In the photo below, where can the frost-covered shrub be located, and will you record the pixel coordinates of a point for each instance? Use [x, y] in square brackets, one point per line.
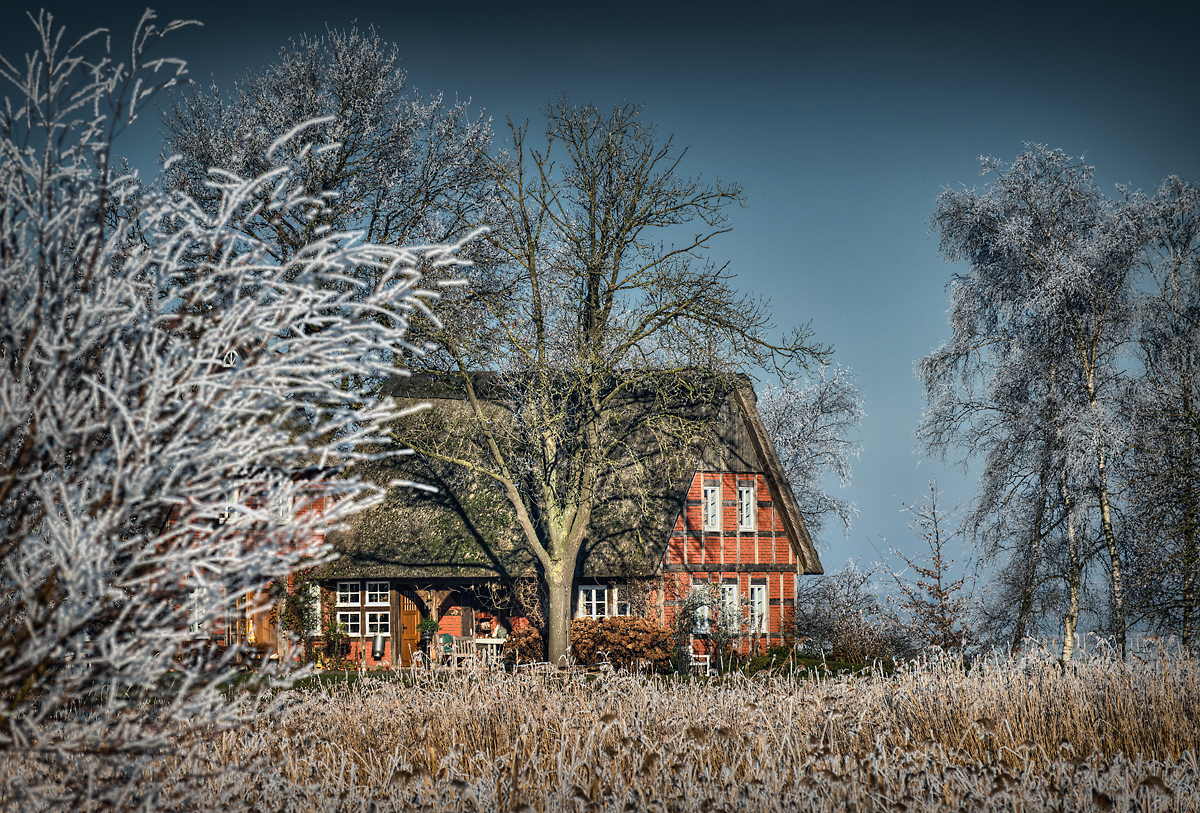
[624, 641]
[164, 377]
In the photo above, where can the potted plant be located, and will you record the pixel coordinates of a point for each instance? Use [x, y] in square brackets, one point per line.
[428, 628]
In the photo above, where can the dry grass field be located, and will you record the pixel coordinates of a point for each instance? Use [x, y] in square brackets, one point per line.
[1012, 735]
[1005, 735]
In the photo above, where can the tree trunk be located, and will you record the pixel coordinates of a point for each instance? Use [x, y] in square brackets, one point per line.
[1025, 611]
[1074, 579]
[558, 622]
[1114, 558]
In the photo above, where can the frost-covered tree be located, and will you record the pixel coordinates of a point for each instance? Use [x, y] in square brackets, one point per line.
[401, 168]
[810, 425]
[1162, 476]
[1031, 377]
[164, 377]
[932, 606]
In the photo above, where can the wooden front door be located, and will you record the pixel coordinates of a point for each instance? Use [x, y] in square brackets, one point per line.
[410, 638]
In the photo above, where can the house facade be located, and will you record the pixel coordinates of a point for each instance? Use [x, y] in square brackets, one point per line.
[718, 520]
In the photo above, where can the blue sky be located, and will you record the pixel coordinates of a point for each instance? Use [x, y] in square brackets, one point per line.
[842, 124]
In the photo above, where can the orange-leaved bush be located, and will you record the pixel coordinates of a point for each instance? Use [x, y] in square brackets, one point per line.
[623, 641]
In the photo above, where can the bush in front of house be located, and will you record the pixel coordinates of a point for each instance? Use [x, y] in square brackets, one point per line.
[624, 641]
[524, 645]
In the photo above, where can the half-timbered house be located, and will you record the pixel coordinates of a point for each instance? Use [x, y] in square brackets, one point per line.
[715, 512]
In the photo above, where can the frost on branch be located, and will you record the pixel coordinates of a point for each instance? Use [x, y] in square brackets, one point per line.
[809, 425]
[140, 461]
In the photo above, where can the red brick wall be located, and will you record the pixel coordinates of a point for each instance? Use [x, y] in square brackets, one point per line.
[766, 544]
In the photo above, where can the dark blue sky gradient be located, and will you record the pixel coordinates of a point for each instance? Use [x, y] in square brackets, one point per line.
[841, 122]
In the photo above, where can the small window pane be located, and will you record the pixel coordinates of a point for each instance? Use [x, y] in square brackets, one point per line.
[351, 624]
[348, 593]
[377, 592]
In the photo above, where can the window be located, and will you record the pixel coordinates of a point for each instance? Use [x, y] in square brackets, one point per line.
[350, 623]
[712, 508]
[747, 503]
[593, 601]
[730, 617]
[348, 593]
[758, 608]
[228, 513]
[377, 592]
[197, 611]
[621, 599]
[379, 624]
[701, 601]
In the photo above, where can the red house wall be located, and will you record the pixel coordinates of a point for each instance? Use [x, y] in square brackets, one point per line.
[764, 553]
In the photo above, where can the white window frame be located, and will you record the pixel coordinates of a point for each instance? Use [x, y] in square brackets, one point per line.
[385, 592]
[621, 606]
[592, 597]
[759, 608]
[314, 598]
[197, 611]
[711, 506]
[349, 594]
[747, 505]
[351, 624]
[702, 615]
[228, 513]
[379, 623]
[730, 617]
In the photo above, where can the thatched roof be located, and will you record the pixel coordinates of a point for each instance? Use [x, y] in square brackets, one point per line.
[467, 529]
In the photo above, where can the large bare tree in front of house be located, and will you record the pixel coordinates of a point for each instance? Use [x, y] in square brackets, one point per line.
[603, 299]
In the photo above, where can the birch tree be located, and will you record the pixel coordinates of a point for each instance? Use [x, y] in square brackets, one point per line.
[154, 411]
[589, 308]
[1162, 477]
[1030, 376]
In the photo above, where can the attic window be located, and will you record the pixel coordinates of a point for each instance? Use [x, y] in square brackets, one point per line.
[746, 505]
[712, 508]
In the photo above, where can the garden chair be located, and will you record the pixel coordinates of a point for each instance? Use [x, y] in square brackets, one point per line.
[447, 650]
[695, 661]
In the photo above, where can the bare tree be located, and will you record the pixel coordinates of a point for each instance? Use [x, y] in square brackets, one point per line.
[590, 312]
[154, 413]
[840, 615]
[810, 427]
